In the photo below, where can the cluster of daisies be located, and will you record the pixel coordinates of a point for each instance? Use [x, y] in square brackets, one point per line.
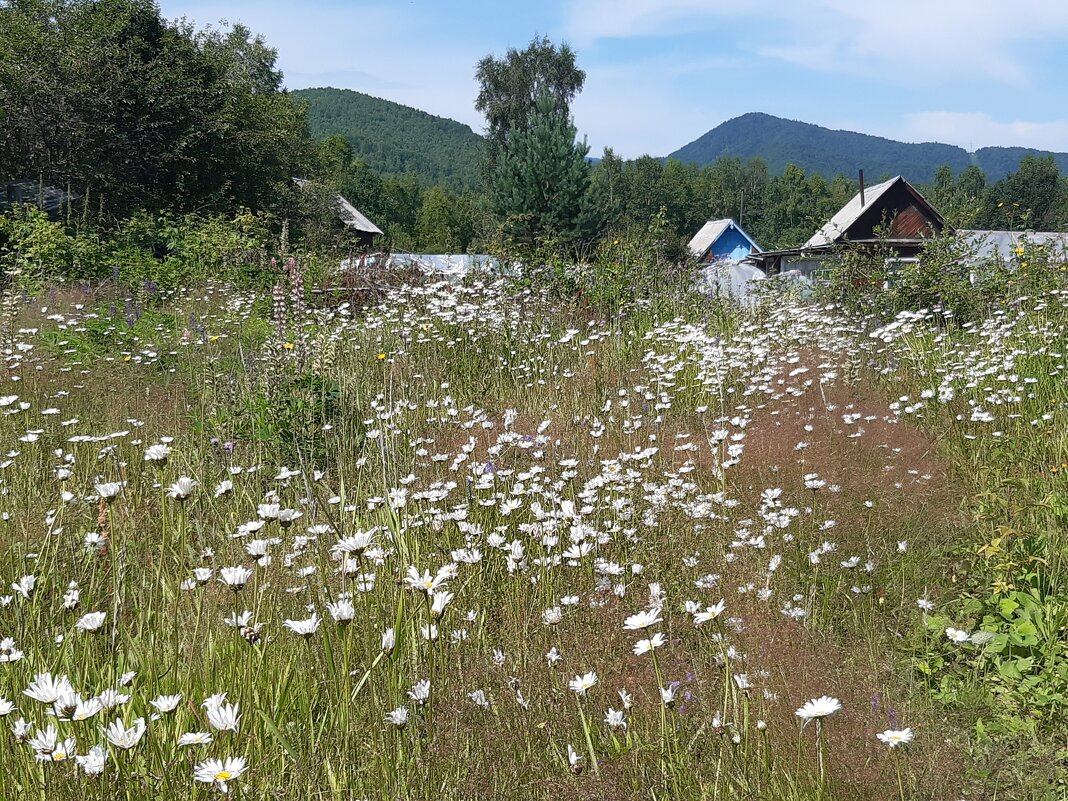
[568, 510]
[50, 735]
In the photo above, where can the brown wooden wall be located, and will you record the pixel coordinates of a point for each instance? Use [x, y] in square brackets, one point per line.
[909, 220]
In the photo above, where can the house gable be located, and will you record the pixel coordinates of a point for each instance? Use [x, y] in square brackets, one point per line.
[892, 212]
[908, 214]
[722, 239]
[895, 202]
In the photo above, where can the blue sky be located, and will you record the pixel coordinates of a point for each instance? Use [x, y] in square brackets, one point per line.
[659, 74]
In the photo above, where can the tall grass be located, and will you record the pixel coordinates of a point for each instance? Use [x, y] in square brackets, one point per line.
[489, 485]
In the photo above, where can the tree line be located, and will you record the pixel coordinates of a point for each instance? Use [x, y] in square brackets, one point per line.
[538, 184]
[129, 112]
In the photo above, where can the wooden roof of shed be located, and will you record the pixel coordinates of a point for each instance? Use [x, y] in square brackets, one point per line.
[346, 212]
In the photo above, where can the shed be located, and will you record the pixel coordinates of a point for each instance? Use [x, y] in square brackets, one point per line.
[362, 228]
[50, 199]
[722, 240]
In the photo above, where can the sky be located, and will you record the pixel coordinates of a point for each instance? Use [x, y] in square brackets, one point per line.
[972, 73]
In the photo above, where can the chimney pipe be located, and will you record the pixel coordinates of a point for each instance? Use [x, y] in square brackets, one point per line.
[862, 188]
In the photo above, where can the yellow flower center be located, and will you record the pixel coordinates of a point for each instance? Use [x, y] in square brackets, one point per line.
[59, 756]
[223, 776]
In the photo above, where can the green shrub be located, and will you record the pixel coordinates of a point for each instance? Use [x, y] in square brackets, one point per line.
[163, 250]
[947, 276]
[632, 266]
[34, 250]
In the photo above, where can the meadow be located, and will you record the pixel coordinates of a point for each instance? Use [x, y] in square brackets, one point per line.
[466, 541]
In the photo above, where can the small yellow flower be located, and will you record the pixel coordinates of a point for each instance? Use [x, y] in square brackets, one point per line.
[381, 357]
[289, 346]
[127, 358]
[214, 338]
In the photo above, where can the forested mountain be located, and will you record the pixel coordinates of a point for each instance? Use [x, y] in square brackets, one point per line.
[820, 150]
[998, 162]
[396, 139]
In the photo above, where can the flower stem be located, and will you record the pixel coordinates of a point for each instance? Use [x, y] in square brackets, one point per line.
[589, 739]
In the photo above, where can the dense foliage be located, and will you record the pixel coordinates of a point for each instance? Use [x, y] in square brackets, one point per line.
[144, 253]
[510, 87]
[775, 210]
[127, 110]
[414, 215]
[393, 139]
[541, 181]
[816, 149]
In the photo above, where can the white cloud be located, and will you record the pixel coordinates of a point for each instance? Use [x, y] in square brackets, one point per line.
[930, 42]
[388, 51]
[912, 41]
[973, 130]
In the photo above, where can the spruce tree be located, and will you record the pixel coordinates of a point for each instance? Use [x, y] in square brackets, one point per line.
[542, 179]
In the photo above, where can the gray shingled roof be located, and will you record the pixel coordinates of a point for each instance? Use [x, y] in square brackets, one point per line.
[832, 231]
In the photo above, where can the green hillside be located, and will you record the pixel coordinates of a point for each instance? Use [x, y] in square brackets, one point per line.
[997, 162]
[395, 139]
[820, 150]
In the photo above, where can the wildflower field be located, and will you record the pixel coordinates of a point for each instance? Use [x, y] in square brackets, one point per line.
[466, 542]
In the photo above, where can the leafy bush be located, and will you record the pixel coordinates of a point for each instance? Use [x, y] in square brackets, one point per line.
[639, 264]
[636, 265]
[948, 276]
[33, 248]
[162, 250]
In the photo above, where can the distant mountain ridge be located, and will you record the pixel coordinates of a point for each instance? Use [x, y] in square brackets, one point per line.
[828, 152]
[396, 139]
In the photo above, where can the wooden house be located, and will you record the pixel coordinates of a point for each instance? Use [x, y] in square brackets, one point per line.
[722, 240]
[891, 215]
